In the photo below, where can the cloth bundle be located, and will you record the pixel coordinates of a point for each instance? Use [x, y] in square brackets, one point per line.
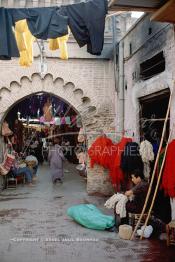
[145, 232]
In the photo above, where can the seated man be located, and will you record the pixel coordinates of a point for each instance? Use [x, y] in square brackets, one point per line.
[136, 196]
[138, 193]
[17, 171]
[32, 163]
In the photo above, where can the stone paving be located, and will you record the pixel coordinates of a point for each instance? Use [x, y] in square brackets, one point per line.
[34, 226]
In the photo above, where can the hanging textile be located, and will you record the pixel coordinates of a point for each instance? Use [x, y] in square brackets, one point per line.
[99, 152]
[7, 164]
[87, 23]
[168, 178]
[131, 159]
[116, 172]
[78, 121]
[24, 41]
[57, 121]
[73, 120]
[147, 155]
[8, 46]
[107, 154]
[18, 135]
[63, 120]
[67, 119]
[60, 43]
[43, 22]
[6, 130]
[81, 136]
[47, 109]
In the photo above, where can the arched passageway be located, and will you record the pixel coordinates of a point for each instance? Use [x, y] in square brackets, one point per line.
[93, 115]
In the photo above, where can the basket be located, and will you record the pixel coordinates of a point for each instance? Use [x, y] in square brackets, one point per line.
[125, 232]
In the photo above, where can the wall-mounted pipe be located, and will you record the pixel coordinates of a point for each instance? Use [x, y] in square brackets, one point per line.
[121, 88]
[114, 40]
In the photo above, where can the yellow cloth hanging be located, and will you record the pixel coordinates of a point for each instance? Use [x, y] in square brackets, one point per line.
[60, 43]
[24, 41]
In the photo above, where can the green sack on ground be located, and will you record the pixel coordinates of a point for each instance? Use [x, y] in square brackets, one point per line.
[91, 217]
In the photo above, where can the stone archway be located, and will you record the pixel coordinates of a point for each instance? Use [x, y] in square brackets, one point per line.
[28, 86]
[73, 94]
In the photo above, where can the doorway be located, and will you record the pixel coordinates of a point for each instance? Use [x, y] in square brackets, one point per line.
[153, 110]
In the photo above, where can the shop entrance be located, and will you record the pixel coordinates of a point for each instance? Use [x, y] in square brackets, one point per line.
[153, 110]
[37, 119]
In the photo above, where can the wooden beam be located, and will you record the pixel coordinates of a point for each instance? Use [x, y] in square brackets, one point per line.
[166, 13]
[132, 8]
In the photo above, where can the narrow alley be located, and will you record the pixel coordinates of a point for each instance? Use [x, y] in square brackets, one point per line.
[34, 226]
[87, 116]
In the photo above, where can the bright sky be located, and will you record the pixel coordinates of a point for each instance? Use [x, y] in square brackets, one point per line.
[137, 14]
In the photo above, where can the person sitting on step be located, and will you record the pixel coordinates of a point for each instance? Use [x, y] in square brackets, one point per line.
[136, 196]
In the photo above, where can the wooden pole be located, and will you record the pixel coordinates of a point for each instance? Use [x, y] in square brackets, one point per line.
[157, 185]
[111, 3]
[155, 166]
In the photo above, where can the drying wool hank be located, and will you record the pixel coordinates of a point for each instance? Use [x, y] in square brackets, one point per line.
[119, 202]
[168, 179]
[100, 153]
[107, 154]
[147, 155]
[116, 173]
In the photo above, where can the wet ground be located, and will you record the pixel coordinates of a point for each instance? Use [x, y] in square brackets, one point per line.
[34, 227]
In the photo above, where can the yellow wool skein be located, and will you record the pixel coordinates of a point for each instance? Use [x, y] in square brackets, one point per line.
[60, 43]
[24, 41]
